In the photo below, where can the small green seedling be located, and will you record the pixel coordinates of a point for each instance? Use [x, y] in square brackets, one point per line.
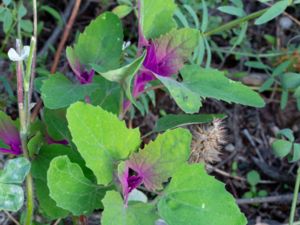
[253, 178]
[284, 145]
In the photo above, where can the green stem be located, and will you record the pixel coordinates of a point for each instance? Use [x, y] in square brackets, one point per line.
[295, 198]
[29, 64]
[121, 113]
[30, 195]
[19, 21]
[27, 80]
[235, 23]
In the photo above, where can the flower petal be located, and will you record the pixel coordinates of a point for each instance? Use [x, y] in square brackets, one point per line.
[13, 55]
[25, 52]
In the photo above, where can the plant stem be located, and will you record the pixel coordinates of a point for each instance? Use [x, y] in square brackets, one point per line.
[235, 23]
[24, 98]
[295, 198]
[33, 63]
[23, 133]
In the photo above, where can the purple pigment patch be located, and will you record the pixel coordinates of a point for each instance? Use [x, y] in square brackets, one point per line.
[9, 134]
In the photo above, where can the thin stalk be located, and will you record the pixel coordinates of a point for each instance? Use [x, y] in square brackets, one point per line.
[235, 23]
[295, 198]
[24, 97]
[29, 189]
[254, 55]
[33, 64]
[121, 106]
[28, 79]
[23, 133]
[19, 21]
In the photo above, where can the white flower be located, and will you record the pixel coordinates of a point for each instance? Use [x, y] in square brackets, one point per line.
[126, 45]
[16, 57]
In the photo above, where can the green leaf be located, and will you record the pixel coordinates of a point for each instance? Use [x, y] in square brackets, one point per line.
[59, 92]
[257, 65]
[26, 25]
[41, 162]
[290, 80]
[122, 10]
[123, 75]
[253, 178]
[296, 153]
[213, 84]
[160, 159]
[47, 205]
[172, 120]
[262, 193]
[104, 140]
[281, 148]
[40, 166]
[107, 95]
[57, 125]
[286, 133]
[267, 84]
[11, 197]
[15, 171]
[6, 2]
[7, 20]
[297, 92]
[204, 23]
[157, 17]
[194, 198]
[116, 213]
[284, 99]
[101, 42]
[11, 177]
[274, 11]
[232, 10]
[70, 189]
[186, 99]
[22, 11]
[54, 13]
[35, 143]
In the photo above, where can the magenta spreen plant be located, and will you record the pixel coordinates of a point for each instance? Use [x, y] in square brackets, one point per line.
[84, 158]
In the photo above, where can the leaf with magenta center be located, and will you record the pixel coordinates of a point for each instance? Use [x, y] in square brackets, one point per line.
[195, 198]
[156, 17]
[10, 141]
[101, 138]
[100, 43]
[157, 162]
[135, 213]
[166, 55]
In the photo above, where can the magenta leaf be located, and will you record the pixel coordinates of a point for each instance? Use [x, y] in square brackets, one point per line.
[166, 55]
[83, 75]
[9, 135]
[157, 162]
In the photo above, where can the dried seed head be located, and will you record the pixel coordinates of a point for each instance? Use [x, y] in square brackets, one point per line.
[207, 142]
